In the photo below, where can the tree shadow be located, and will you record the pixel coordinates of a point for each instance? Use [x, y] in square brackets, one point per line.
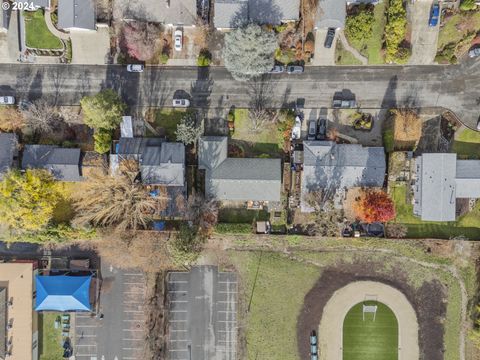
[262, 12]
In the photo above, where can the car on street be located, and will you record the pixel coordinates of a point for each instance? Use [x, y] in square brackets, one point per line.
[178, 40]
[312, 130]
[344, 104]
[322, 129]
[277, 69]
[138, 68]
[182, 103]
[474, 52]
[7, 100]
[294, 69]
[329, 38]
[297, 128]
[434, 14]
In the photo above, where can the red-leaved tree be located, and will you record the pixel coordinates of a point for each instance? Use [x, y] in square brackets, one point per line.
[139, 39]
[374, 205]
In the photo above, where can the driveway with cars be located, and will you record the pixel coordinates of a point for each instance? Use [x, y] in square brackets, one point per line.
[323, 55]
[424, 37]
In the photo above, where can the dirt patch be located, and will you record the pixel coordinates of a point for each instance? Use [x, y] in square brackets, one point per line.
[425, 300]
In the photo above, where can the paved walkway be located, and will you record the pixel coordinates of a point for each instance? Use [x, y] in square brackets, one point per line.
[53, 29]
[351, 49]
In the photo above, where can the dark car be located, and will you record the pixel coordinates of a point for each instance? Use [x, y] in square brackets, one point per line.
[277, 69]
[312, 130]
[329, 38]
[294, 69]
[344, 104]
[434, 14]
[322, 129]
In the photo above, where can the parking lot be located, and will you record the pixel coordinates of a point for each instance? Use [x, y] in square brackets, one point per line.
[202, 310]
[119, 334]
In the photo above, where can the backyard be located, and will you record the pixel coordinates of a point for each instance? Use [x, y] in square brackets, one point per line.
[467, 225]
[467, 144]
[371, 47]
[50, 339]
[37, 34]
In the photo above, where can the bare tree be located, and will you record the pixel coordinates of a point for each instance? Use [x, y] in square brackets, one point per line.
[42, 116]
[139, 39]
[119, 201]
[396, 231]
[202, 212]
[261, 99]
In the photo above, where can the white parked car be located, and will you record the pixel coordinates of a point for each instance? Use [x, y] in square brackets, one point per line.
[7, 100]
[297, 129]
[178, 40]
[183, 103]
[135, 68]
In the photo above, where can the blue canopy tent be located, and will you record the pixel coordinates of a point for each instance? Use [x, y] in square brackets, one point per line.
[63, 293]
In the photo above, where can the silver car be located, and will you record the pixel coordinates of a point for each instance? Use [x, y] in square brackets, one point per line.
[7, 100]
[474, 52]
[182, 103]
[135, 68]
[294, 69]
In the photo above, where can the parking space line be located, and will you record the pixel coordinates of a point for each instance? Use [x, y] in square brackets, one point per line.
[175, 350]
[227, 292]
[133, 311]
[178, 311]
[137, 348]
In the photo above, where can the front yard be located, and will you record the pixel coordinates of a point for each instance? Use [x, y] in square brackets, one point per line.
[371, 47]
[37, 34]
[467, 144]
[165, 121]
[467, 225]
[50, 339]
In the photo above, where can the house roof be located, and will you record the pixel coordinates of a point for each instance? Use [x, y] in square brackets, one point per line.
[235, 13]
[468, 179]
[76, 14]
[435, 192]
[136, 146]
[175, 12]
[164, 165]
[64, 164]
[332, 166]
[17, 278]
[63, 293]
[8, 149]
[331, 13]
[238, 179]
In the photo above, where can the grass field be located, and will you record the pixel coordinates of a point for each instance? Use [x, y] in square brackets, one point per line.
[165, 121]
[370, 340]
[50, 339]
[467, 225]
[372, 47]
[37, 34]
[467, 144]
[452, 32]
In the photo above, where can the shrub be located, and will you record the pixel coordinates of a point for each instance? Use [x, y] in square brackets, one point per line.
[163, 58]
[359, 26]
[374, 205]
[204, 58]
[280, 28]
[103, 140]
[395, 31]
[467, 5]
[285, 56]
[225, 228]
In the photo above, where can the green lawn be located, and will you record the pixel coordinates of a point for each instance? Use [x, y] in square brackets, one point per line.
[467, 225]
[241, 216]
[276, 302]
[345, 57]
[165, 121]
[369, 339]
[37, 34]
[50, 339]
[467, 144]
[266, 140]
[457, 26]
[372, 47]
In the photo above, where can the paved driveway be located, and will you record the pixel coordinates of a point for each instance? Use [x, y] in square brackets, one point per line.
[424, 37]
[324, 56]
[90, 47]
[9, 47]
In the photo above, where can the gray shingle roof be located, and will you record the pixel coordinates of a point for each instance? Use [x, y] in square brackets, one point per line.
[76, 14]
[8, 149]
[64, 164]
[468, 179]
[331, 13]
[235, 13]
[238, 179]
[136, 146]
[175, 12]
[334, 166]
[164, 165]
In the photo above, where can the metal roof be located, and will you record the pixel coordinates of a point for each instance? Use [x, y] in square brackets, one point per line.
[63, 293]
[76, 14]
[64, 164]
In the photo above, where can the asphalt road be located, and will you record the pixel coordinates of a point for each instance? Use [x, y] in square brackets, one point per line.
[453, 87]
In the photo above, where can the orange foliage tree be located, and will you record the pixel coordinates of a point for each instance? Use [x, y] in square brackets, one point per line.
[373, 206]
